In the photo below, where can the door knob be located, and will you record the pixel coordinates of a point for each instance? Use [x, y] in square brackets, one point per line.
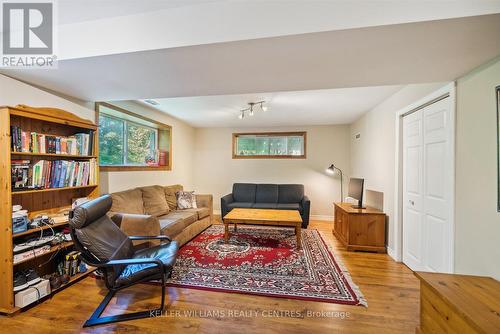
[412, 203]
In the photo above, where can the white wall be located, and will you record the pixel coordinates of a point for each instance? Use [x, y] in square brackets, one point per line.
[182, 156]
[215, 171]
[373, 154]
[13, 92]
[477, 222]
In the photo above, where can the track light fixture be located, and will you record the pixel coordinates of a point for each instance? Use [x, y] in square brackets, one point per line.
[251, 108]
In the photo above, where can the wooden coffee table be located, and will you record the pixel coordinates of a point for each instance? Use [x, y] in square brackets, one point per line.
[267, 217]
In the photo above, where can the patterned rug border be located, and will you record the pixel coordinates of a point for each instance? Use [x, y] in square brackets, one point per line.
[353, 288]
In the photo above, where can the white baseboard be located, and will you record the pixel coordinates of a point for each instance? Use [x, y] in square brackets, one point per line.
[321, 217]
[392, 253]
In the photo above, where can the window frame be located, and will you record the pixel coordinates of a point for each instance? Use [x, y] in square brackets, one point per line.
[159, 127]
[269, 134]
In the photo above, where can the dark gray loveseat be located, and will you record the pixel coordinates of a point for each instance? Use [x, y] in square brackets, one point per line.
[268, 196]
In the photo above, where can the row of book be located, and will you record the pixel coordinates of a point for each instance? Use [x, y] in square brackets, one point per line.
[52, 174]
[32, 142]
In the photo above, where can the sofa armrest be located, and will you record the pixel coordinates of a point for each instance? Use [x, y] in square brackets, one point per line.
[224, 202]
[306, 207]
[228, 199]
[136, 224]
[205, 201]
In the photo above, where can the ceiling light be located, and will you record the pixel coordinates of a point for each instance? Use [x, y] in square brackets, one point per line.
[251, 110]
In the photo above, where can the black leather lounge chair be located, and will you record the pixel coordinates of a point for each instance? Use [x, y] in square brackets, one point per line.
[103, 245]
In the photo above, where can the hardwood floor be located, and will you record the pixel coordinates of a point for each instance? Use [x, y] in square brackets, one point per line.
[390, 288]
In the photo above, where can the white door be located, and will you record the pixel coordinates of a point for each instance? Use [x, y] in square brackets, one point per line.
[428, 188]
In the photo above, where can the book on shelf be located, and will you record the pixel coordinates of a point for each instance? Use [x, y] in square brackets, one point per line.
[33, 142]
[46, 174]
[20, 173]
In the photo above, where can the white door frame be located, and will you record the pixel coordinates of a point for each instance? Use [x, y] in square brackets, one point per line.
[447, 91]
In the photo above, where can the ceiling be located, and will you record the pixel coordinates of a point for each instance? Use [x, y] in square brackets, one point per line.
[104, 27]
[221, 53]
[77, 11]
[421, 52]
[314, 107]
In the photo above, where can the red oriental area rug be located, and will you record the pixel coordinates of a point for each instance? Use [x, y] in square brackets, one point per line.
[264, 261]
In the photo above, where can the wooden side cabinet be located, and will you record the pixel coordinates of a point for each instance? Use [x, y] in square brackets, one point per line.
[359, 229]
[451, 303]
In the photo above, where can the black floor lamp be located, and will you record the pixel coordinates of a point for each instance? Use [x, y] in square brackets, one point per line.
[331, 170]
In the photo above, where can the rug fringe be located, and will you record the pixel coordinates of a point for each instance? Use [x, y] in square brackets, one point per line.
[346, 273]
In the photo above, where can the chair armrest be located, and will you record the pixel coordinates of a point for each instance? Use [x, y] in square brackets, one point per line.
[146, 237]
[111, 263]
[205, 201]
[134, 224]
[132, 261]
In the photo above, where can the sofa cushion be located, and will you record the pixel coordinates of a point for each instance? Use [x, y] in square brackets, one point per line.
[289, 206]
[240, 205]
[266, 193]
[244, 192]
[290, 193]
[264, 205]
[170, 195]
[187, 217]
[201, 212]
[128, 201]
[171, 226]
[155, 203]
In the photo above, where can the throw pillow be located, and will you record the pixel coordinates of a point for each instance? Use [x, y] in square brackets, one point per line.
[186, 200]
[155, 203]
[170, 195]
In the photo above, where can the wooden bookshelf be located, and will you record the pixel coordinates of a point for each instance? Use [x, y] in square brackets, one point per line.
[49, 121]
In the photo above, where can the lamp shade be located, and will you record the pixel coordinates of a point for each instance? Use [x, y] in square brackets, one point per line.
[331, 169]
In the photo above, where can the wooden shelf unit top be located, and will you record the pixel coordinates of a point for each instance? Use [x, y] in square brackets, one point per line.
[475, 299]
[347, 207]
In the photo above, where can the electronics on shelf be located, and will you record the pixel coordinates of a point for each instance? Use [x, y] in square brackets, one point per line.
[20, 219]
[32, 294]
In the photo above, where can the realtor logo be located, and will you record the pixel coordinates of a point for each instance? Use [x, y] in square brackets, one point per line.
[28, 34]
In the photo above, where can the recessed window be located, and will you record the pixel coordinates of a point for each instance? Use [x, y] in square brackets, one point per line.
[276, 145]
[129, 141]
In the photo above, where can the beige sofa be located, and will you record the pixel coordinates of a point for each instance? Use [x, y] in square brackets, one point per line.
[153, 210]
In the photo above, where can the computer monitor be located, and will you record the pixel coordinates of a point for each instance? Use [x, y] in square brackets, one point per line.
[356, 191]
